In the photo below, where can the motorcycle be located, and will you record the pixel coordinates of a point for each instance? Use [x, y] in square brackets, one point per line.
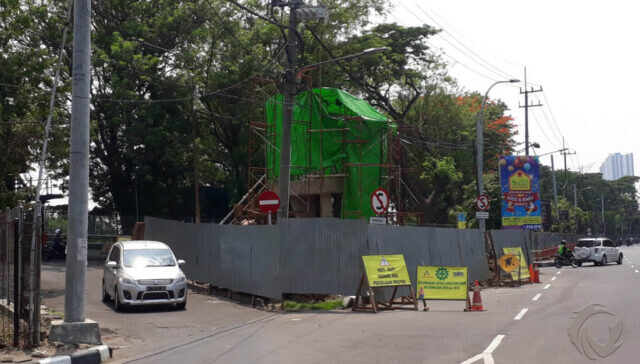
[51, 251]
[561, 260]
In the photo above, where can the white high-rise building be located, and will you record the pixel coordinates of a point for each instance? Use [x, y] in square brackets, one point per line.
[617, 165]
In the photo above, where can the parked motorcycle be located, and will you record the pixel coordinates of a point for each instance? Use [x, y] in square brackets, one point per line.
[51, 251]
[561, 260]
[56, 249]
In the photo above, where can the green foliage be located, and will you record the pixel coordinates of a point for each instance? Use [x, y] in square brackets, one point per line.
[618, 198]
[29, 44]
[323, 306]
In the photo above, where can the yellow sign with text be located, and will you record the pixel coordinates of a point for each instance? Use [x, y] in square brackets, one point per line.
[386, 270]
[442, 283]
[524, 268]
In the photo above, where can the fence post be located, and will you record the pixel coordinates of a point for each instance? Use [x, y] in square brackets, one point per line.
[16, 282]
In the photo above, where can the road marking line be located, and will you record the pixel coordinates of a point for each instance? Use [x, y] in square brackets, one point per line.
[553, 278]
[295, 319]
[536, 297]
[632, 266]
[547, 286]
[637, 271]
[521, 313]
[559, 272]
[486, 354]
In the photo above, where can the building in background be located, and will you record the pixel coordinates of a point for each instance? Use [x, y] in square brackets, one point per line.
[616, 166]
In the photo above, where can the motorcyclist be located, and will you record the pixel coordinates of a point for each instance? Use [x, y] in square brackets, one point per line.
[58, 243]
[563, 250]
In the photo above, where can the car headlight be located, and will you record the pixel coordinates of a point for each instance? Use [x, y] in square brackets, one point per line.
[126, 280]
[181, 279]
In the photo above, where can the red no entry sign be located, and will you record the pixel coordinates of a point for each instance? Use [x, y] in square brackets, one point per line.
[482, 202]
[268, 201]
[379, 201]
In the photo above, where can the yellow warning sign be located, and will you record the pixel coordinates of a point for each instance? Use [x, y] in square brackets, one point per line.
[386, 270]
[524, 268]
[508, 262]
[441, 283]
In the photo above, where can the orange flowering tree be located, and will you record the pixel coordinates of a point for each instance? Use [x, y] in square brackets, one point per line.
[439, 138]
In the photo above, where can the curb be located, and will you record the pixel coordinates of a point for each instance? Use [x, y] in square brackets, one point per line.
[97, 354]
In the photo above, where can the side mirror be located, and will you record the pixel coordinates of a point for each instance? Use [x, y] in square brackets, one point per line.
[181, 262]
[111, 264]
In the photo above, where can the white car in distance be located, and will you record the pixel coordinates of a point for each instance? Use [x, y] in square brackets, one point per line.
[142, 272]
[600, 251]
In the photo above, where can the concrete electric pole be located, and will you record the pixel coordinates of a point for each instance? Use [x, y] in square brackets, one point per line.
[75, 328]
[526, 107]
[555, 190]
[297, 11]
[289, 96]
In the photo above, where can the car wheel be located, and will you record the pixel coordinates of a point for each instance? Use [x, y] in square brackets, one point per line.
[119, 305]
[579, 264]
[604, 260]
[620, 258]
[105, 295]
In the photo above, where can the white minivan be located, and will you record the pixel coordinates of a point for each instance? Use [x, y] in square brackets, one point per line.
[143, 273]
[600, 251]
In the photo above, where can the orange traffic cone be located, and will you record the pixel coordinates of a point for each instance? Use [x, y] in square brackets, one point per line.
[531, 274]
[536, 274]
[476, 304]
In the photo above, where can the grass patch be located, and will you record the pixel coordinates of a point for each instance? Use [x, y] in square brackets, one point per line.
[55, 313]
[325, 306]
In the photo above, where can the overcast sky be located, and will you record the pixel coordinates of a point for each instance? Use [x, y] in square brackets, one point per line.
[584, 54]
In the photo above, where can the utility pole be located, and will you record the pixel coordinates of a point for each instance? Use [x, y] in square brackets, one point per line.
[604, 226]
[289, 93]
[526, 107]
[564, 153]
[575, 196]
[555, 191]
[75, 329]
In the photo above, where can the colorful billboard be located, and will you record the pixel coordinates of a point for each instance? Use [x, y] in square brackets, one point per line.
[520, 187]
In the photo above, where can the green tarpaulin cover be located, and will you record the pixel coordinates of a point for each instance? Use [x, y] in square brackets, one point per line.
[353, 142]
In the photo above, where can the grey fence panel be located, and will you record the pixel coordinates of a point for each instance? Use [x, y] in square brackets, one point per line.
[182, 239]
[309, 256]
[235, 257]
[474, 254]
[210, 252]
[511, 238]
[413, 242]
[321, 255]
[265, 261]
[432, 246]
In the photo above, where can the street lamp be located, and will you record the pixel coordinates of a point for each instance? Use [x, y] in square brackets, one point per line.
[290, 93]
[575, 194]
[532, 145]
[480, 134]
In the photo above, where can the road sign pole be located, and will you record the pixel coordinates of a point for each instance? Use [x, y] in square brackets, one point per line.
[269, 218]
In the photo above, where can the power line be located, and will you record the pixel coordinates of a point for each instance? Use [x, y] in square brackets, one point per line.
[483, 62]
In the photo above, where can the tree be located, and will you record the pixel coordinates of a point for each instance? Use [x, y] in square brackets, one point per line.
[29, 45]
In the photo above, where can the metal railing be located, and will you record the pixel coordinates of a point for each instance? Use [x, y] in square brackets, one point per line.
[20, 278]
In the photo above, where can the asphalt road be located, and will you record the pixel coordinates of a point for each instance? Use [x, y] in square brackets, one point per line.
[146, 330]
[515, 327]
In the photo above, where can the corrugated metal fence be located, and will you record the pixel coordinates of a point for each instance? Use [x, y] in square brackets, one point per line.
[320, 255]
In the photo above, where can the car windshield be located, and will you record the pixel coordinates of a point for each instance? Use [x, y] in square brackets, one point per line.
[138, 258]
[587, 243]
